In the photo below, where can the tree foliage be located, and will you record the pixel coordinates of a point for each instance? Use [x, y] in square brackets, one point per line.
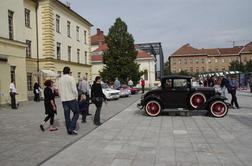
[237, 66]
[167, 69]
[121, 54]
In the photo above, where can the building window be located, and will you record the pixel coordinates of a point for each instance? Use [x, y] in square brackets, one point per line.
[79, 75]
[58, 51]
[85, 37]
[29, 81]
[185, 61]
[69, 53]
[191, 69]
[86, 75]
[223, 60]
[57, 23]
[77, 33]
[68, 28]
[203, 60]
[145, 74]
[197, 61]
[223, 69]
[13, 72]
[203, 69]
[179, 61]
[216, 60]
[197, 70]
[209, 60]
[191, 61]
[28, 49]
[245, 59]
[78, 55]
[216, 69]
[10, 22]
[86, 57]
[27, 18]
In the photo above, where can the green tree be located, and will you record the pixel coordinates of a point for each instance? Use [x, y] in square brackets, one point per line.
[248, 66]
[121, 54]
[167, 69]
[236, 66]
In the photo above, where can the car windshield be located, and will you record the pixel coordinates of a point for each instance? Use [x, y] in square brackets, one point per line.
[104, 86]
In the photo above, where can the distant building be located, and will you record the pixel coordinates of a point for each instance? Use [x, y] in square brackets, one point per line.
[193, 60]
[146, 60]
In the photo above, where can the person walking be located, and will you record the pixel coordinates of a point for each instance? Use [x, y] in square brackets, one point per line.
[97, 98]
[117, 84]
[84, 88]
[50, 106]
[224, 85]
[13, 93]
[232, 90]
[130, 83]
[36, 91]
[83, 106]
[69, 94]
[142, 82]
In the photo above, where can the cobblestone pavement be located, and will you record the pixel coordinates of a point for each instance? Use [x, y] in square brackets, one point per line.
[134, 139]
[23, 143]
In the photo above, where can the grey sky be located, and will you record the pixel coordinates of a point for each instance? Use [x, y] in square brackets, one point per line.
[202, 23]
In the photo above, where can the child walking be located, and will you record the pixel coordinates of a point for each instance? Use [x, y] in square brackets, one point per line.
[83, 106]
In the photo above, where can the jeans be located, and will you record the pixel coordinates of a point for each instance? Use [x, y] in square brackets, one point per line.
[97, 112]
[74, 107]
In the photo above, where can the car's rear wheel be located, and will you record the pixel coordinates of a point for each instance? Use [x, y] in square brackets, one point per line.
[218, 109]
[197, 100]
[153, 108]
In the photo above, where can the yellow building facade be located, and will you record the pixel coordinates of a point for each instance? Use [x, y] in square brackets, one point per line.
[12, 50]
[45, 35]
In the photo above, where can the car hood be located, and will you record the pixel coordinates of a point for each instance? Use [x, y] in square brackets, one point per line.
[206, 89]
[111, 90]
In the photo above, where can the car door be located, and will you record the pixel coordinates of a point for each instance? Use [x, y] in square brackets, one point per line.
[179, 92]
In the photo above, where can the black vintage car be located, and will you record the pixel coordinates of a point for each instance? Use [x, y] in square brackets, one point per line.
[177, 92]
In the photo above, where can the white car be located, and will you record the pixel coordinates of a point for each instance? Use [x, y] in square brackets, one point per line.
[111, 94]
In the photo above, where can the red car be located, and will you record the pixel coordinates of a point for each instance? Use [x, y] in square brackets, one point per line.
[133, 90]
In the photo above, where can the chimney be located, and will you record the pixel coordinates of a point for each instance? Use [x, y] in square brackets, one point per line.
[68, 4]
[98, 31]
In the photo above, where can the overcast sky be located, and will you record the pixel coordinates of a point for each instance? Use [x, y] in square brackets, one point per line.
[202, 23]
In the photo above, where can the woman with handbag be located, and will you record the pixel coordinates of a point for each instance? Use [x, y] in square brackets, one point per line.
[97, 98]
[50, 106]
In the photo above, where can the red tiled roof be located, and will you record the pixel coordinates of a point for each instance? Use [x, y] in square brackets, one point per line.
[99, 37]
[143, 54]
[229, 51]
[96, 58]
[211, 51]
[102, 47]
[187, 49]
[247, 48]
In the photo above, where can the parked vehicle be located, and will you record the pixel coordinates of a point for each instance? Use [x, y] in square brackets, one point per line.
[109, 92]
[125, 91]
[177, 92]
[133, 90]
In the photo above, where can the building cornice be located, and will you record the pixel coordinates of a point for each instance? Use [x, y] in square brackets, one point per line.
[12, 42]
[69, 10]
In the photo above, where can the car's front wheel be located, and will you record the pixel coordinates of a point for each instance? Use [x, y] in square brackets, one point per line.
[153, 108]
[197, 100]
[218, 109]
